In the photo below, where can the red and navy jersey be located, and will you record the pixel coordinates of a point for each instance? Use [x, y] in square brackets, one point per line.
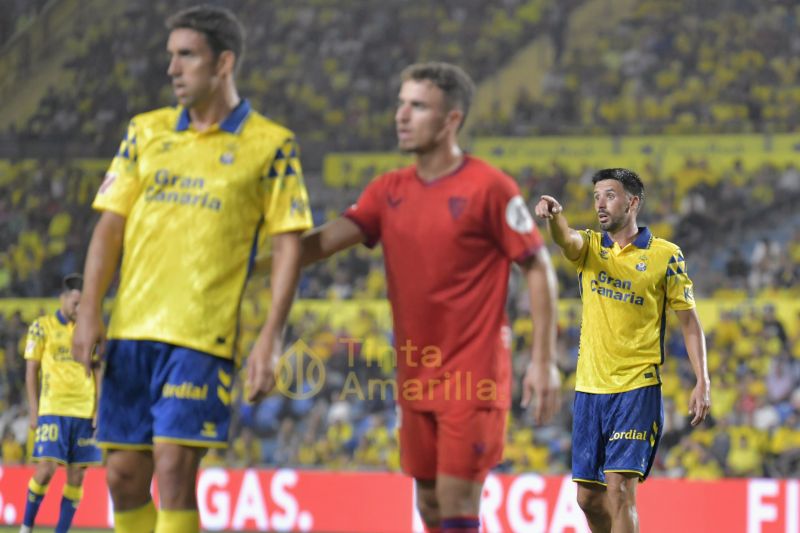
[448, 246]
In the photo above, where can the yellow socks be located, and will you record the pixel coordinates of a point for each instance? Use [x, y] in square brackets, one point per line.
[139, 520]
[178, 521]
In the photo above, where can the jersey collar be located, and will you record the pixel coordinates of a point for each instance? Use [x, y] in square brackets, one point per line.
[61, 318]
[642, 240]
[232, 123]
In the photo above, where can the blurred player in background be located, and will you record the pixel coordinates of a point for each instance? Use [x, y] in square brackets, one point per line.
[184, 203]
[628, 277]
[450, 226]
[61, 400]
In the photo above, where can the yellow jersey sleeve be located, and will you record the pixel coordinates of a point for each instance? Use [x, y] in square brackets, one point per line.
[680, 290]
[587, 243]
[121, 186]
[34, 347]
[286, 205]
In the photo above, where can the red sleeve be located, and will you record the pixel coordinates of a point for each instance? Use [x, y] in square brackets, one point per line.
[510, 221]
[366, 212]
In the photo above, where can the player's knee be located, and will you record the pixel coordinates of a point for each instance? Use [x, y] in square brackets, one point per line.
[592, 503]
[621, 496]
[177, 463]
[44, 472]
[75, 475]
[119, 478]
[176, 470]
[428, 506]
[127, 480]
[428, 510]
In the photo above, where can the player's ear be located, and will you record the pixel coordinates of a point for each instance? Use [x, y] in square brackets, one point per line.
[634, 205]
[454, 118]
[226, 62]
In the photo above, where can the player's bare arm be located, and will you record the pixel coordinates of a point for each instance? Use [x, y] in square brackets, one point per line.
[695, 340]
[286, 251]
[101, 264]
[324, 241]
[98, 380]
[542, 383]
[570, 241]
[32, 390]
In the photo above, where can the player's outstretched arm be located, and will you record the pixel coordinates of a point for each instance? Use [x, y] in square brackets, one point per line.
[542, 383]
[263, 359]
[570, 241]
[101, 264]
[695, 340]
[32, 390]
[324, 241]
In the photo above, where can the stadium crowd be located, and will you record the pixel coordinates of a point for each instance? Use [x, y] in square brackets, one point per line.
[319, 86]
[737, 226]
[670, 67]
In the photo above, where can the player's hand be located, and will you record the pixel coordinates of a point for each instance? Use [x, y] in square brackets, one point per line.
[33, 420]
[700, 402]
[547, 207]
[542, 388]
[89, 336]
[261, 365]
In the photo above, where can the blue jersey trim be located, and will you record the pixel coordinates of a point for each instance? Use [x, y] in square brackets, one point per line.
[183, 120]
[232, 123]
[642, 240]
[61, 318]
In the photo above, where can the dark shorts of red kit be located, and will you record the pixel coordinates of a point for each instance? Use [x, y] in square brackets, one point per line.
[464, 442]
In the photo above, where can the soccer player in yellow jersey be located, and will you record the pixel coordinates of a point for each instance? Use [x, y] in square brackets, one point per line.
[61, 400]
[628, 278]
[185, 203]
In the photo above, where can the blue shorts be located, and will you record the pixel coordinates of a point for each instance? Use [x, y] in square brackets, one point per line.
[616, 433]
[66, 440]
[153, 391]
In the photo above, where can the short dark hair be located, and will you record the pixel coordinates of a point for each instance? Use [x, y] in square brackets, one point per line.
[630, 181]
[72, 282]
[457, 86]
[222, 29]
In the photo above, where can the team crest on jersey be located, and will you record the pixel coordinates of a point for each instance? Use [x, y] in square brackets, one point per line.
[603, 253]
[518, 217]
[456, 205]
[229, 155]
[641, 267]
[393, 201]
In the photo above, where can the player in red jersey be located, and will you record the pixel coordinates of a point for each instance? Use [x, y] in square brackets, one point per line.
[451, 225]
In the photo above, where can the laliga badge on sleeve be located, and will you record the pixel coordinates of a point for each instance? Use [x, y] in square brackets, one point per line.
[518, 217]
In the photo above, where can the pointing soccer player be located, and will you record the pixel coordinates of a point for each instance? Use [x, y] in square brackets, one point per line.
[627, 279]
[451, 226]
[185, 203]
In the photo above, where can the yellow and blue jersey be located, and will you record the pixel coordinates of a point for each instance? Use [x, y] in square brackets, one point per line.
[625, 293]
[197, 207]
[65, 388]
